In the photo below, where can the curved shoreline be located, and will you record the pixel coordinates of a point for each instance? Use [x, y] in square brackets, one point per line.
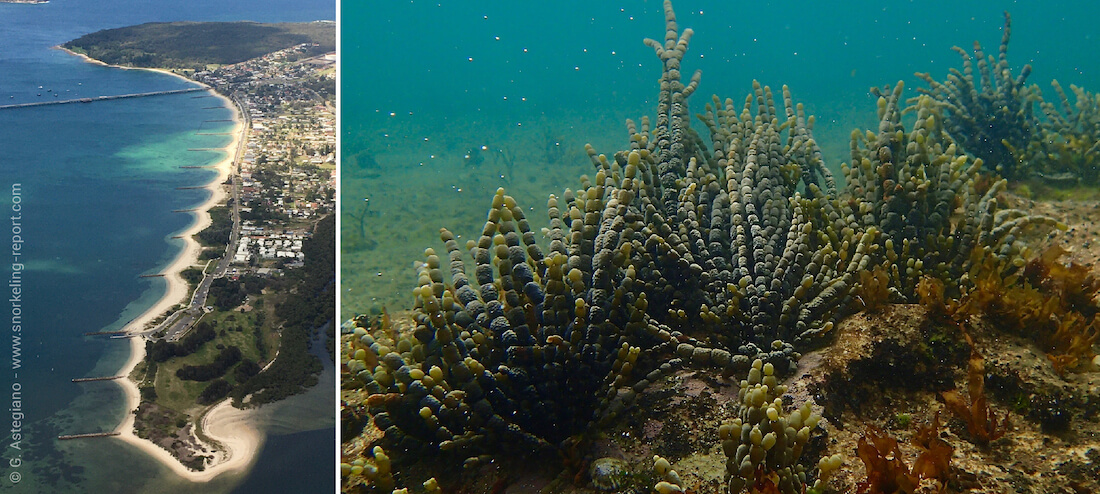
[93, 61]
[238, 439]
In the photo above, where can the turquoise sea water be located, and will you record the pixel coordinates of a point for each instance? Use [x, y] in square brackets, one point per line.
[98, 184]
[541, 79]
[572, 55]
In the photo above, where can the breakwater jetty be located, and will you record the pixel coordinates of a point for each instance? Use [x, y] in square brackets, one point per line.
[83, 436]
[104, 98]
[90, 379]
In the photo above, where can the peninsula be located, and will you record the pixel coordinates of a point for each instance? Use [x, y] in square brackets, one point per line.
[228, 332]
[186, 47]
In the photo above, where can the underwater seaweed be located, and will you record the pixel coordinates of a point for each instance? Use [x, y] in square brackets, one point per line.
[764, 444]
[1065, 150]
[926, 197]
[934, 461]
[886, 471]
[874, 289]
[527, 350]
[677, 254]
[530, 349]
[981, 422]
[753, 256]
[991, 115]
[1050, 302]
[1054, 304]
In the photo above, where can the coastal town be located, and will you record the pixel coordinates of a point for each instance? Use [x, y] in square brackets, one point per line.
[287, 170]
[280, 186]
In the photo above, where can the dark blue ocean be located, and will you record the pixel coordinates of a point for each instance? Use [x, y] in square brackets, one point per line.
[425, 83]
[97, 184]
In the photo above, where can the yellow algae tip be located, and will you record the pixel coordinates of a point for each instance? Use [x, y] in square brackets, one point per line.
[663, 487]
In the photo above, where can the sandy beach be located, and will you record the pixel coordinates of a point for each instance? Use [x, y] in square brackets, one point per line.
[93, 61]
[238, 440]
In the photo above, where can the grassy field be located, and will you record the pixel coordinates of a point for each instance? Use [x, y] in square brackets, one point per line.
[233, 328]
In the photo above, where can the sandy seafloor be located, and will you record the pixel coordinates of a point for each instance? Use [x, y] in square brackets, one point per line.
[469, 80]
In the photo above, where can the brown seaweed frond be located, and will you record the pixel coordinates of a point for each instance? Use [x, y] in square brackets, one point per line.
[1074, 284]
[934, 461]
[887, 473]
[940, 308]
[1054, 304]
[1072, 333]
[766, 481]
[873, 290]
[981, 422]
[1072, 342]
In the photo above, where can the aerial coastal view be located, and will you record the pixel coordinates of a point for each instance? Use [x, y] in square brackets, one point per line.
[190, 167]
[270, 208]
[872, 268]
